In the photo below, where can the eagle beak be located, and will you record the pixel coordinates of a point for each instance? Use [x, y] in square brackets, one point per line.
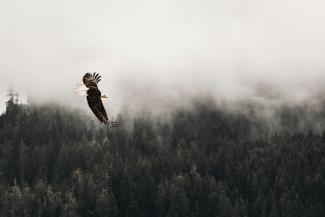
[104, 97]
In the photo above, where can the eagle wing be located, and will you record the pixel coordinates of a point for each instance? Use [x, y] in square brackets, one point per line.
[94, 97]
[91, 80]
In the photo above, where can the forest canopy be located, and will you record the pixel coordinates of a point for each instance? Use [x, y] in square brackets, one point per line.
[199, 162]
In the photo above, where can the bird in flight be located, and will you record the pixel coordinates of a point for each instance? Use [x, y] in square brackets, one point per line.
[94, 98]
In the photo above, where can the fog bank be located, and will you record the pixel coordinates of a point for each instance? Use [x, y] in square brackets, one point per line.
[160, 53]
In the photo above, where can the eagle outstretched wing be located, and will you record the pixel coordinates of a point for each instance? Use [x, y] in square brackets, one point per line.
[91, 80]
[94, 97]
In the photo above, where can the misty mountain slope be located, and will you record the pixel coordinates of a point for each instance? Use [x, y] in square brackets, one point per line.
[202, 161]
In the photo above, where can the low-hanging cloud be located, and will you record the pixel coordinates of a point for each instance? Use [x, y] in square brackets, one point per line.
[163, 50]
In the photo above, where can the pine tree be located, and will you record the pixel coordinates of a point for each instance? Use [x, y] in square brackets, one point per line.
[162, 200]
[106, 204]
[178, 200]
[70, 208]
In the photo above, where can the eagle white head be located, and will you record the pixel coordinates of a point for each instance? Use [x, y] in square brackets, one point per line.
[80, 89]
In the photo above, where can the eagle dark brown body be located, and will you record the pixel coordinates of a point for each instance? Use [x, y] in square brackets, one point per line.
[94, 98]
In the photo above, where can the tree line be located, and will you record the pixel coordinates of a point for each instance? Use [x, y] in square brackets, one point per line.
[199, 162]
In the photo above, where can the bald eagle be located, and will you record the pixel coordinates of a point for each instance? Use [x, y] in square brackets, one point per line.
[94, 98]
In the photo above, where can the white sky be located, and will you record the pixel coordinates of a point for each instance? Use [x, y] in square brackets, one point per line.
[146, 47]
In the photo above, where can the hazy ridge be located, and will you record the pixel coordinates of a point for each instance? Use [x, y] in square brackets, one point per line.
[204, 159]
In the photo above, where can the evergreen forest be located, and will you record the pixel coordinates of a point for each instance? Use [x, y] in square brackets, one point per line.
[196, 161]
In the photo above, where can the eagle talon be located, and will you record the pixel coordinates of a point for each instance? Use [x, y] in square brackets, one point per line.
[113, 124]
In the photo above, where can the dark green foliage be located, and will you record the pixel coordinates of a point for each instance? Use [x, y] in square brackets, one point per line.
[202, 162]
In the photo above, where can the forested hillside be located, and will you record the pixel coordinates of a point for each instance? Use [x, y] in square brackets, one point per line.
[198, 162]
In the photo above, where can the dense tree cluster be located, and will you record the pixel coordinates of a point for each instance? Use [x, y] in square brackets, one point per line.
[199, 162]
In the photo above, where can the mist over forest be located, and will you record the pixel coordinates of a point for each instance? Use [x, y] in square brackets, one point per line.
[220, 106]
[204, 159]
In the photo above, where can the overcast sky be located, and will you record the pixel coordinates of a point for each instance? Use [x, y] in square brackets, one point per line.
[145, 48]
